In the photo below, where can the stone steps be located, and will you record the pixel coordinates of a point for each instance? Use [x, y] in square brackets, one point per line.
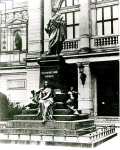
[69, 117]
[55, 112]
[57, 117]
[64, 125]
[60, 105]
[62, 112]
[79, 141]
[48, 132]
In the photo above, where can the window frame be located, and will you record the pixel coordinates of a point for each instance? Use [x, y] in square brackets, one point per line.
[111, 20]
[73, 25]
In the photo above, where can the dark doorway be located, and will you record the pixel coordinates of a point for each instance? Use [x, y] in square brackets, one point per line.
[107, 74]
[72, 80]
[72, 76]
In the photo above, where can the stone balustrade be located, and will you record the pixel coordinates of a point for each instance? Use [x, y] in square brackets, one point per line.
[71, 44]
[104, 41]
[102, 132]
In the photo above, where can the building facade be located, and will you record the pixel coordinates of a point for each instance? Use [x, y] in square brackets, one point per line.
[92, 40]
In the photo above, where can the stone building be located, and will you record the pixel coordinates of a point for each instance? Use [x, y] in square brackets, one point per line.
[92, 41]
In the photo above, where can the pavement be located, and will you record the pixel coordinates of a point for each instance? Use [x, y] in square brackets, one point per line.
[112, 144]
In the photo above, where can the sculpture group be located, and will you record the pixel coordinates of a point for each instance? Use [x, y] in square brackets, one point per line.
[43, 100]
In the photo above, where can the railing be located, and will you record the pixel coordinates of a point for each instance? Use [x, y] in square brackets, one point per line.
[104, 41]
[102, 132]
[12, 57]
[71, 45]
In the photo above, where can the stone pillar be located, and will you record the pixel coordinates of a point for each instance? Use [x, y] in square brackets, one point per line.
[35, 25]
[84, 24]
[47, 17]
[85, 103]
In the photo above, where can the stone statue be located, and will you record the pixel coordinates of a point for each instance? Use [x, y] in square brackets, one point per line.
[46, 102]
[71, 100]
[56, 31]
[35, 100]
[18, 41]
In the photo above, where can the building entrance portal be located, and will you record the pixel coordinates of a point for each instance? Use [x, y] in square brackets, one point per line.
[107, 74]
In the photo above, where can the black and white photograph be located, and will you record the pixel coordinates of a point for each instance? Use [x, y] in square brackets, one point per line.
[59, 74]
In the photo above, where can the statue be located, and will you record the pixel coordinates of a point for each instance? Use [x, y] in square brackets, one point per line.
[18, 41]
[71, 100]
[35, 100]
[56, 31]
[46, 102]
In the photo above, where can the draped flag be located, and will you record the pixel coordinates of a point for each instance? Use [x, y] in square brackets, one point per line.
[58, 4]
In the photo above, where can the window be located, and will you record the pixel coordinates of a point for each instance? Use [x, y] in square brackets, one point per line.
[68, 3]
[71, 18]
[107, 20]
[72, 24]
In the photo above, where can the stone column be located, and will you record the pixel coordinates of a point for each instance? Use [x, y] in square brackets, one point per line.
[47, 17]
[84, 24]
[85, 103]
[35, 25]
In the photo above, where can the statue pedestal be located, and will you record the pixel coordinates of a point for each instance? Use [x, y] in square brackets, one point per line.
[53, 69]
